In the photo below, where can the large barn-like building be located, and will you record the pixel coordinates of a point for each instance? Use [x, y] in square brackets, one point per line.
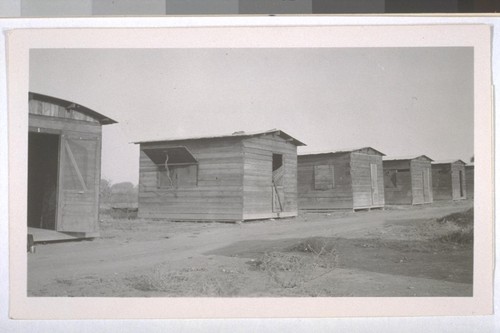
[242, 176]
[342, 179]
[64, 167]
[448, 180]
[408, 180]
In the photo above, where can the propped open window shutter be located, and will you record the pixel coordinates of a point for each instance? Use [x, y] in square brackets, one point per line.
[176, 166]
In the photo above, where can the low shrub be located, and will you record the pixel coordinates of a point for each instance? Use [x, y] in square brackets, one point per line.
[463, 236]
[300, 263]
[462, 219]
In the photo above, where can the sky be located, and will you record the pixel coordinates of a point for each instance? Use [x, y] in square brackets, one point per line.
[400, 101]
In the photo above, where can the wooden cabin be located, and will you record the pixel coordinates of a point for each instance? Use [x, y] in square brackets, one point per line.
[236, 177]
[345, 179]
[64, 167]
[408, 180]
[469, 180]
[448, 180]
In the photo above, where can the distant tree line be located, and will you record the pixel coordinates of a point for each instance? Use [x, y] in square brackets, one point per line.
[118, 194]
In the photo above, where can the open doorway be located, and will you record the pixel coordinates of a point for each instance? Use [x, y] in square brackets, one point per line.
[461, 179]
[43, 160]
[278, 173]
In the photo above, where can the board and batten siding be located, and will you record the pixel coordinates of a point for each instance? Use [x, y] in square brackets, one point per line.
[257, 179]
[218, 194]
[52, 110]
[368, 192]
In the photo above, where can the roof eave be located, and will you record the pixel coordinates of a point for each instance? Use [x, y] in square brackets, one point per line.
[103, 120]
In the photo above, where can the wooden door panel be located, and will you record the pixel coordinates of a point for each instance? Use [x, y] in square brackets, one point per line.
[374, 180]
[427, 185]
[78, 186]
[278, 198]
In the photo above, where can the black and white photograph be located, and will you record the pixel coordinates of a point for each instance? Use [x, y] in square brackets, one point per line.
[252, 172]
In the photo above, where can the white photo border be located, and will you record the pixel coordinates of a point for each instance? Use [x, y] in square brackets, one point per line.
[21, 41]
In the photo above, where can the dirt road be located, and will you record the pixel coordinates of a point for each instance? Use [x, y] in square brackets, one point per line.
[377, 253]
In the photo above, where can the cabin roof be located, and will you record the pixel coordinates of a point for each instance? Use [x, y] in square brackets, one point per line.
[103, 120]
[341, 151]
[449, 162]
[406, 158]
[239, 134]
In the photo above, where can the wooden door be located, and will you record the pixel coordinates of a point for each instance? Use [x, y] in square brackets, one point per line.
[278, 198]
[374, 181]
[278, 189]
[78, 183]
[426, 185]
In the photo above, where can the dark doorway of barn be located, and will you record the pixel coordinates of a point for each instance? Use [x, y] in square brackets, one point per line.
[277, 183]
[43, 156]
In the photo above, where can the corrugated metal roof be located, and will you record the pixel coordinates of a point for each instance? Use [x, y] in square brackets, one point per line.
[241, 134]
[405, 158]
[103, 120]
[340, 151]
[448, 162]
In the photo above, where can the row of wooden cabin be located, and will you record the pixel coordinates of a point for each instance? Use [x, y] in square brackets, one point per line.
[242, 176]
[247, 176]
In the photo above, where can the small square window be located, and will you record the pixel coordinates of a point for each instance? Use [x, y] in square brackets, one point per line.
[324, 177]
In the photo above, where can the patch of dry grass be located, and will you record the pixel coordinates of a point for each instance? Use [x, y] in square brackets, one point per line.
[464, 228]
[300, 263]
[187, 282]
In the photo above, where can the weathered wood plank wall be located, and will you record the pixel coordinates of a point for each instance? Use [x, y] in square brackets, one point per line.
[398, 182]
[258, 187]
[79, 164]
[340, 196]
[421, 181]
[57, 111]
[469, 181]
[363, 192]
[219, 191]
[459, 190]
[446, 181]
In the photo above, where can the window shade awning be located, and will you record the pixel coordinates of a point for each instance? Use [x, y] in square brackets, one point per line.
[176, 155]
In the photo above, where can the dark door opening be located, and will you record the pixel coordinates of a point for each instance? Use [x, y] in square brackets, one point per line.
[277, 183]
[460, 178]
[43, 160]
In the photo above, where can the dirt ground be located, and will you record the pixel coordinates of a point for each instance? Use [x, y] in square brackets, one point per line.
[399, 251]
